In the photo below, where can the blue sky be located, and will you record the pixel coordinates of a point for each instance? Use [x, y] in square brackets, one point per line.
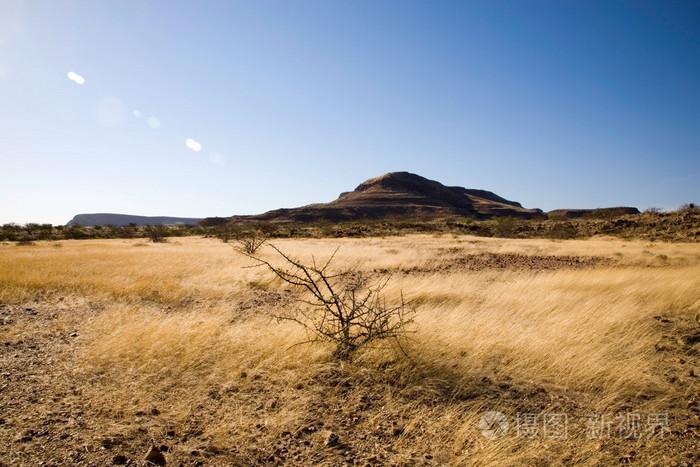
[551, 103]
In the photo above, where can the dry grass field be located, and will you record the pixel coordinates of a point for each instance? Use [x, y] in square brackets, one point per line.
[589, 348]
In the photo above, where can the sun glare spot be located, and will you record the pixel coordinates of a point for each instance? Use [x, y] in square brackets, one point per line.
[193, 145]
[136, 113]
[75, 77]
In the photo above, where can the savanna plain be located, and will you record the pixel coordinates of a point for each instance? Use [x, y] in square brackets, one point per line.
[520, 352]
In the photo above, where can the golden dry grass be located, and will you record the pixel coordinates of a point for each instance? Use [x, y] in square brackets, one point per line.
[184, 326]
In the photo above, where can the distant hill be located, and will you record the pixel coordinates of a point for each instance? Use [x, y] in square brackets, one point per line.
[398, 195]
[119, 220]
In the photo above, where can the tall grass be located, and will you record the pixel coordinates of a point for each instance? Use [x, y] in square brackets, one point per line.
[587, 333]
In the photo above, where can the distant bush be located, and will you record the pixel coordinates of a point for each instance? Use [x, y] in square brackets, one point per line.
[505, 227]
[563, 231]
[156, 233]
[76, 232]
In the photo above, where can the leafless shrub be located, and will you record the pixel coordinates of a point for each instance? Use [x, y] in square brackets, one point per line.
[346, 308]
[247, 239]
[250, 242]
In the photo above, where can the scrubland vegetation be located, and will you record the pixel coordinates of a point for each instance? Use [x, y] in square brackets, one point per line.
[110, 347]
[680, 225]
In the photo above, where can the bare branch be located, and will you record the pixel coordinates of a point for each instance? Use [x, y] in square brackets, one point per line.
[345, 308]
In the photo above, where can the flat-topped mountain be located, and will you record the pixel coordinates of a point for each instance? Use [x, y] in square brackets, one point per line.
[400, 195]
[120, 220]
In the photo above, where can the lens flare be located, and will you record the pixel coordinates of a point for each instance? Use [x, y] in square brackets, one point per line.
[75, 77]
[193, 145]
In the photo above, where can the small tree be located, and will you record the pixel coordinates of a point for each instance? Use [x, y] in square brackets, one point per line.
[347, 308]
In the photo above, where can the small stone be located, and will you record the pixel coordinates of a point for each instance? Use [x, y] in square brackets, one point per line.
[154, 456]
[331, 439]
[73, 334]
[119, 459]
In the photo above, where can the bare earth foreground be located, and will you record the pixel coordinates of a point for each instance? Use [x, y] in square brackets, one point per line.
[523, 352]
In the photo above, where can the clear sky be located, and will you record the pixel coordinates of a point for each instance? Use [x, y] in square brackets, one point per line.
[551, 103]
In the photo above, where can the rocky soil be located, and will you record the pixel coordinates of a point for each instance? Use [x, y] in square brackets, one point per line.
[48, 418]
